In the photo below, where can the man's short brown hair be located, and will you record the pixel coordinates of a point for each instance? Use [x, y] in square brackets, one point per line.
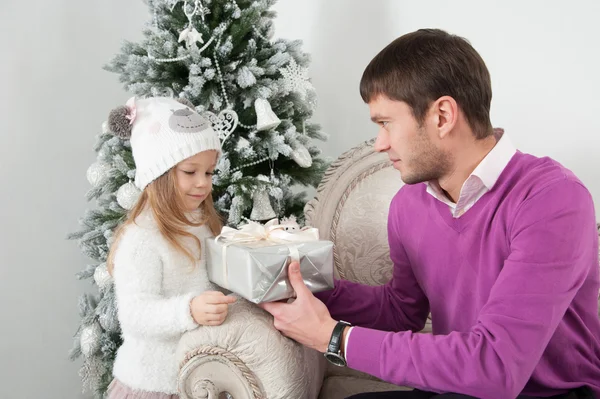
[422, 66]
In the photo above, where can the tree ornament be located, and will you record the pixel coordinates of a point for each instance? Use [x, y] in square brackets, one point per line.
[97, 172]
[127, 195]
[265, 117]
[302, 157]
[290, 223]
[109, 321]
[190, 35]
[295, 78]
[261, 206]
[90, 339]
[224, 124]
[102, 277]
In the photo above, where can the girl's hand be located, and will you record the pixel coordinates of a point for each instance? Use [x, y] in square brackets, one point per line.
[210, 308]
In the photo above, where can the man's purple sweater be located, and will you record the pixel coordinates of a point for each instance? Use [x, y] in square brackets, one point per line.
[512, 286]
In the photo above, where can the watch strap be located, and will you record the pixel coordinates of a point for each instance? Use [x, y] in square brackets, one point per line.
[335, 341]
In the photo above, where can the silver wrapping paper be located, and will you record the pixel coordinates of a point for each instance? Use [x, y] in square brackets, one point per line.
[257, 271]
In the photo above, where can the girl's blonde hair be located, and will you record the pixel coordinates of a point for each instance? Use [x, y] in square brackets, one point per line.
[165, 201]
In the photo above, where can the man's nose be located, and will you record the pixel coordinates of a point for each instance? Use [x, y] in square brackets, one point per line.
[382, 143]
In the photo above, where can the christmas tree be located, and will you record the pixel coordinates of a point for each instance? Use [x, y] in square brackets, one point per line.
[220, 56]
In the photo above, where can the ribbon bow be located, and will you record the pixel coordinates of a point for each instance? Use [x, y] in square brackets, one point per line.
[271, 231]
[131, 110]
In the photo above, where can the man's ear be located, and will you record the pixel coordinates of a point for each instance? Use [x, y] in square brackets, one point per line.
[445, 110]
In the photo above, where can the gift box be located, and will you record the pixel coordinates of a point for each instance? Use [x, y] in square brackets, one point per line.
[253, 260]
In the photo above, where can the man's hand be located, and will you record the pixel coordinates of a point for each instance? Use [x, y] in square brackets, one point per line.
[306, 320]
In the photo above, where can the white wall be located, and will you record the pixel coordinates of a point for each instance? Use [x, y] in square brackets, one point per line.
[542, 56]
[55, 97]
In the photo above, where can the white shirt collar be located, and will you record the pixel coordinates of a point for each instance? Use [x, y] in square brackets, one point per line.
[481, 180]
[490, 168]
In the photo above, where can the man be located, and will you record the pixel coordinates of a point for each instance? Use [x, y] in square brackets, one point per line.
[500, 246]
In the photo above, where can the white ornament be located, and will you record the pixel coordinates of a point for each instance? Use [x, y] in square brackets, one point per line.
[105, 128]
[295, 78]
[109, 321]
[265, 117]
[97, 172]
[127, 195]
[261, 206]
[224, 124]
[101, 276]
[302, 157]
[191, 36]
[242, 143]
[290, 223]
[90, 339]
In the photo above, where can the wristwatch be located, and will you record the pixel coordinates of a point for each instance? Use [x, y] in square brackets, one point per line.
[334, 349]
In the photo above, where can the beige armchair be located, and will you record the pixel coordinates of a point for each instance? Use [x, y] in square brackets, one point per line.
[254, 362]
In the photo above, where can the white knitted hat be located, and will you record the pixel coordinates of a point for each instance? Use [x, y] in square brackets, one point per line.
[162, 132]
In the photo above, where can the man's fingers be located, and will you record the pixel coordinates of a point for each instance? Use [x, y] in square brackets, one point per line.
[272, 307]
[296, 280]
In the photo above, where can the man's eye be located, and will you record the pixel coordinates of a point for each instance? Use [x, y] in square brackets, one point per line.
[383, 123]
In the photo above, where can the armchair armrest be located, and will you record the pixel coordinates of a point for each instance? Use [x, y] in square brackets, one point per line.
[247, 358]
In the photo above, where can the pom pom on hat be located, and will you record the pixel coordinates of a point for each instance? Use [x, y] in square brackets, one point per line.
[118, 123]
[120, 119]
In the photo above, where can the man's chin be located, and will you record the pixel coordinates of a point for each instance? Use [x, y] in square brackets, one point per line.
[410, 180]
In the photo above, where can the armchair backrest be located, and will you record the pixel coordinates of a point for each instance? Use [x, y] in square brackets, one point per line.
[351, 209]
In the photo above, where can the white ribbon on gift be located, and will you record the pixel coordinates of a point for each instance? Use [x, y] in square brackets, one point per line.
[272, 232]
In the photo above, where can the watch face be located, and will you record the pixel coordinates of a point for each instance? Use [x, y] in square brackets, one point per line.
[335, 359]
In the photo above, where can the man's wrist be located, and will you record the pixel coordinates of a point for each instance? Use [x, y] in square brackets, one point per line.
[345, 340]
[329, 326]
[336, 348]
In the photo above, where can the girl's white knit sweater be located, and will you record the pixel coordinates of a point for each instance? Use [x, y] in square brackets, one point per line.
[154, 284]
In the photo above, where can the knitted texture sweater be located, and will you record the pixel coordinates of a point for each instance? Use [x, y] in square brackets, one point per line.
[154, 284]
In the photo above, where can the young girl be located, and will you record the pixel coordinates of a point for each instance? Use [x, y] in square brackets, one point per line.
[161, 283]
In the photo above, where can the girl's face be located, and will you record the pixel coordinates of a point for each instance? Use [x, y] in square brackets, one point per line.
[194, 178]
